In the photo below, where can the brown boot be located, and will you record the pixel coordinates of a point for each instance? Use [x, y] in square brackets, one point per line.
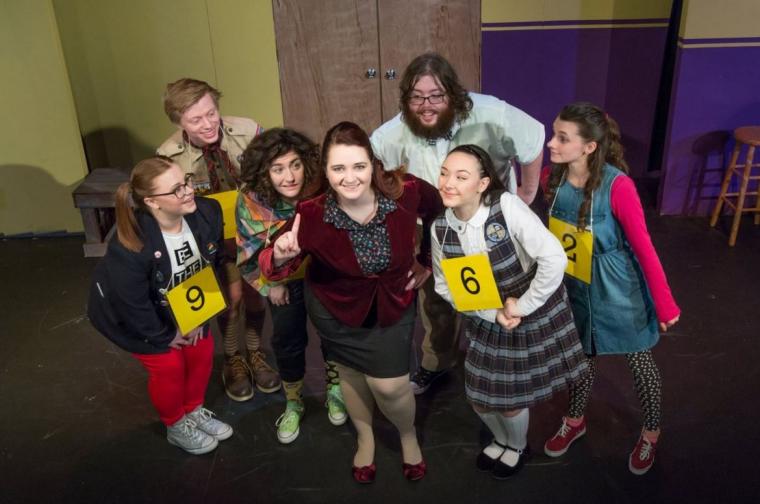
[266, 379]
[236, 376]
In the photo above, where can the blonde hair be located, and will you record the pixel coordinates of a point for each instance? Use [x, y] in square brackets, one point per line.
[182, 94]
[135, 191]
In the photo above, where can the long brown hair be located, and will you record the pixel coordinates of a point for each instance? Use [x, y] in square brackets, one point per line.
[140, 185]
[389, 183]
[594, 125]
[268, 146]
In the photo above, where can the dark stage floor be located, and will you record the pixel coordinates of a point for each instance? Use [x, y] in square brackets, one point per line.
[76, 424]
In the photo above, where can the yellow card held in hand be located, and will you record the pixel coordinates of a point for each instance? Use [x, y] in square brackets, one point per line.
[196, 300]
[227, 199]
[471, 283]
[578, 245]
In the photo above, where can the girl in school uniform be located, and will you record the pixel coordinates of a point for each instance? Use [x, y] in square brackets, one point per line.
[618, 290]
[523, 347]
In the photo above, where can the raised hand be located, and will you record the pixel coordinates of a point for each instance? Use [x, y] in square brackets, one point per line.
[286, 247]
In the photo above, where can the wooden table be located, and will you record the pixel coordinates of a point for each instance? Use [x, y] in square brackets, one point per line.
[94, 198]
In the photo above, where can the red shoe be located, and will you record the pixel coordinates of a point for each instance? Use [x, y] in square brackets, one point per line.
[565, 436]
[642, 456]
[365, 474]
[415, 472]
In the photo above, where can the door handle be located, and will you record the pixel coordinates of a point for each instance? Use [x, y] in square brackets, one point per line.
[371, 73]
[390, 74]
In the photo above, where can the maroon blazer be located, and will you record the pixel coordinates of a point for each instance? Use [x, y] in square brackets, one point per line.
[334, 275]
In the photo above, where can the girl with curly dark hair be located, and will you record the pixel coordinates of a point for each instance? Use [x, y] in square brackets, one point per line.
[278, 169]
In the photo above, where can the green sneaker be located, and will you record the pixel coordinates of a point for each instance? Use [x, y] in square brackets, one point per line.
[336, 408]
[287, 424]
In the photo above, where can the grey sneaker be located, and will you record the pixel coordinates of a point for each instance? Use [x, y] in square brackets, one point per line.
[205, 421]
[187, 436]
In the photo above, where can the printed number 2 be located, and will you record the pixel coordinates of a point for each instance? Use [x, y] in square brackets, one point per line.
[568, 248]
[470, 283]
[195, 295]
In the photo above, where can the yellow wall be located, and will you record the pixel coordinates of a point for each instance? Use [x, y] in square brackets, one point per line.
[120, 56]
[500, 11]
[41, 158]
[711, 19]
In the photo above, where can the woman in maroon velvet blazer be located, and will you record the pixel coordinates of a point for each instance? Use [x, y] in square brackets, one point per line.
[361, 283]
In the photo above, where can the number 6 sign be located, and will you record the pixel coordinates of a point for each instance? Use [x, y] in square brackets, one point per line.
[196, 300]
[471, 283]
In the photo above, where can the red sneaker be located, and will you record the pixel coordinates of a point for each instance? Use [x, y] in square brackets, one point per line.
[642, 456]
[565, 436]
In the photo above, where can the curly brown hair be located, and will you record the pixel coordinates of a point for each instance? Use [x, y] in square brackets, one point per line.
[268, 146]
[438, 67]
[594, 125]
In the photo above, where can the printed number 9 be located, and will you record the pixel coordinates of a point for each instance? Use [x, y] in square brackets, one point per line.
[195, 295]
[573, 243]
[470, 283]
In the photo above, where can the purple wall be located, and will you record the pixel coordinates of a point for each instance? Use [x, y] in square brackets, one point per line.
[541, 70]
[715, 90]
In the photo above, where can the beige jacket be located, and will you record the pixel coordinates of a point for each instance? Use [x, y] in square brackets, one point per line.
[238, 132]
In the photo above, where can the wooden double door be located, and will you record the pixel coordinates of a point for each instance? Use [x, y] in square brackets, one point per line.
[343, 59]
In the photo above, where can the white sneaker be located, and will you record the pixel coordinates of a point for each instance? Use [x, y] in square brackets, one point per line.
[187, 436]
[205, 421]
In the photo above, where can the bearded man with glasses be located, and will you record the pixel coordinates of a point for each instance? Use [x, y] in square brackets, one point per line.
[438, 114]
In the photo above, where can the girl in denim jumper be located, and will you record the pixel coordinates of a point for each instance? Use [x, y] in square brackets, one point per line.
[617, 287]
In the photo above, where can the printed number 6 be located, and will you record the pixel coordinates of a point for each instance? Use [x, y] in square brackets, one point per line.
[573, 243]
[470, 283]
[195, 295]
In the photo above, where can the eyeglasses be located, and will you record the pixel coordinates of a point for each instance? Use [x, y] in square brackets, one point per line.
[433, 99]
[181, 190]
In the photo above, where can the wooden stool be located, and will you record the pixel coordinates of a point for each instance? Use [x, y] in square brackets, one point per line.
[94, 199]
[749, 136]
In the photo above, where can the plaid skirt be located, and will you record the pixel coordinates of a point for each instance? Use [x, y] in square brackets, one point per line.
[510, 370]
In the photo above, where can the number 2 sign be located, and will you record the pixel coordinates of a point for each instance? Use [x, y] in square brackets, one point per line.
[471, 283]
[578, 245]
[196, 300]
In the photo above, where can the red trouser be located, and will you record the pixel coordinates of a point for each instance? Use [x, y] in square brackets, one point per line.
[177, 380]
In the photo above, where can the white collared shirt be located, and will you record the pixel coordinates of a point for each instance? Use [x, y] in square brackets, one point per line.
[533, 244]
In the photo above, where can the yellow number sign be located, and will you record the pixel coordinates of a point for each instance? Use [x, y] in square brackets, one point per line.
[196, 300]
[578, 245]
[228, 200]
[471, 283]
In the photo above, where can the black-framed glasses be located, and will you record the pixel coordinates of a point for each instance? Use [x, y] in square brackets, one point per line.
[181, 190]
[432, 99]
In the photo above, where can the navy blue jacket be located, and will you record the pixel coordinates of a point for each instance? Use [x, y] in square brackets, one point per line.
[126, 304]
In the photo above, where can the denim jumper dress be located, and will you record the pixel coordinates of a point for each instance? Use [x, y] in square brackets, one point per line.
[614, 314]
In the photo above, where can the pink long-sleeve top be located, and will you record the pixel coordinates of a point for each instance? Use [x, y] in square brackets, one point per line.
[627, 209]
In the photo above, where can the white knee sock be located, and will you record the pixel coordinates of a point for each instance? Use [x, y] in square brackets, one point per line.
[493, 422]
[517, 429]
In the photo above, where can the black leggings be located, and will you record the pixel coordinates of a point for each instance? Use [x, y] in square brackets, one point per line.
[646, 377]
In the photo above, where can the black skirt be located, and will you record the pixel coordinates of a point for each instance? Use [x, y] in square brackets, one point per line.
[380, 352]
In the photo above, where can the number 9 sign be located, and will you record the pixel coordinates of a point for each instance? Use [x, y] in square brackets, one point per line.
[471, 283]
[196, 300]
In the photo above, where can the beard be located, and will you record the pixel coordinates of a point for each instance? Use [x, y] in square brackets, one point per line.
[441, 127]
